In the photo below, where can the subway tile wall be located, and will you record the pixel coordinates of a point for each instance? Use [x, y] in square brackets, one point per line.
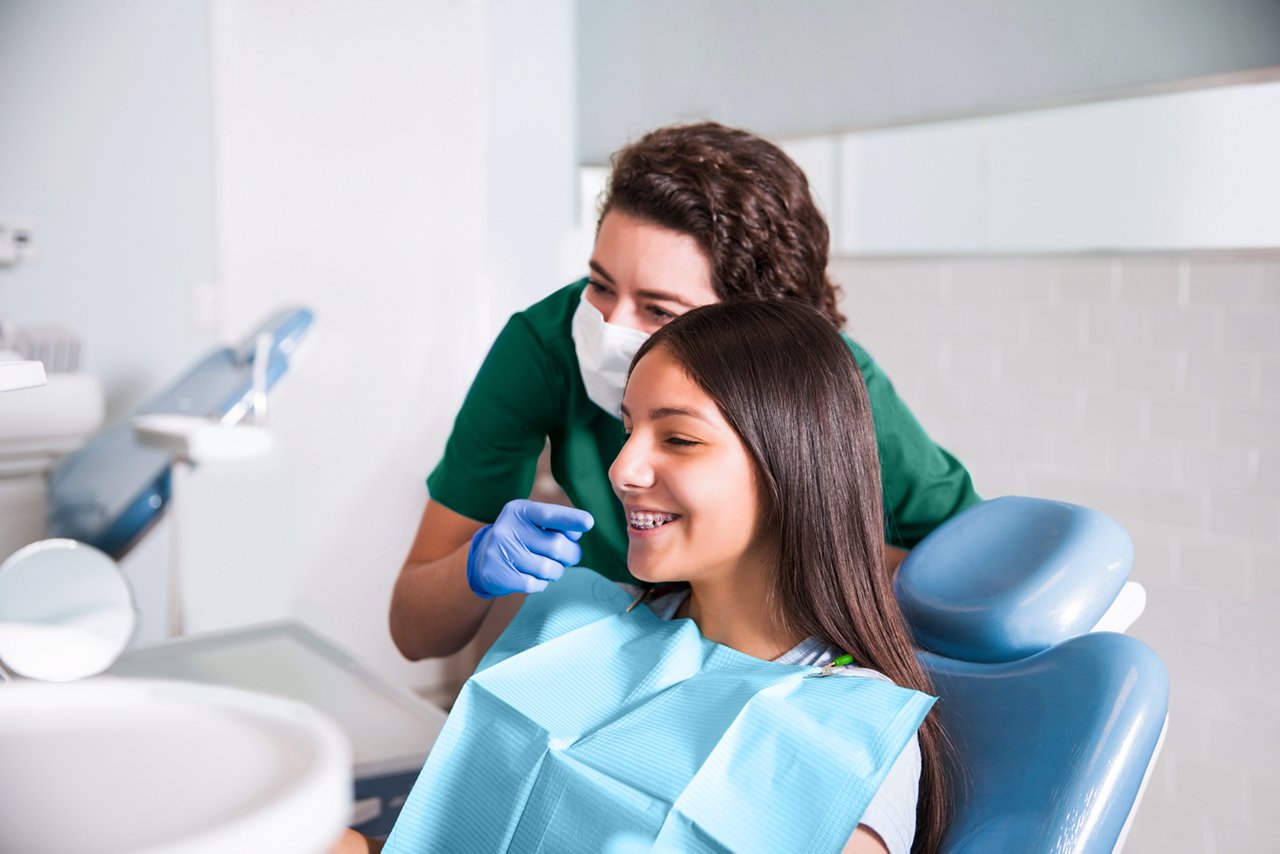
[1147, 388]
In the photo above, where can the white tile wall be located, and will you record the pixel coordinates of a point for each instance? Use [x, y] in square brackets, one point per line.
[1148, 389]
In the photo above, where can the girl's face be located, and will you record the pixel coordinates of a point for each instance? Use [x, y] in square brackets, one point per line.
[642, 275]
[686, 481]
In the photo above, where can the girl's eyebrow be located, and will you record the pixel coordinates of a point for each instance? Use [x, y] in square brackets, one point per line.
[673, 412]
[660, 412]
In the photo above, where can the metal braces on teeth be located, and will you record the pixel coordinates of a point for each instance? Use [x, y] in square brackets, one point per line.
[648, 521]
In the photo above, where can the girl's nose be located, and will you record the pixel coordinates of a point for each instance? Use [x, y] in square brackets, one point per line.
[630, 470]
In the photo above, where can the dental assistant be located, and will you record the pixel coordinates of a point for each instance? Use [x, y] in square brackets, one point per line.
[694, 215]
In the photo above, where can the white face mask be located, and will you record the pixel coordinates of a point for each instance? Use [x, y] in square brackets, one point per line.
[604, 353]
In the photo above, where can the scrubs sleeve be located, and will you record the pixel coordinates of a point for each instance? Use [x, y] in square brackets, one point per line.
[492, 454]
[924, 485]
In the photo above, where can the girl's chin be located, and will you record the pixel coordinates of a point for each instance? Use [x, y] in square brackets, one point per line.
[649, 573]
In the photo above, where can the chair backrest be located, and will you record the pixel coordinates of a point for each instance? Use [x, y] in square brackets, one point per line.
[1056, 729]
[1054, 749]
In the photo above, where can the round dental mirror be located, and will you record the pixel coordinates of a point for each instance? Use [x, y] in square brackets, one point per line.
[66, 611]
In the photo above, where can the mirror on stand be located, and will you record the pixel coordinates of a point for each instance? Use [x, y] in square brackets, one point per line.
[66, 611]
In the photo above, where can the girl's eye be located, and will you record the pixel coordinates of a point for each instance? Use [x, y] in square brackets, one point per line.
[680, 443]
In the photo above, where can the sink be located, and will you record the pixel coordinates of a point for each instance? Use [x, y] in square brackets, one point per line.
[109, 765]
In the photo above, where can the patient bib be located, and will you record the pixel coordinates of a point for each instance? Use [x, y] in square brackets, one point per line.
[585, 722]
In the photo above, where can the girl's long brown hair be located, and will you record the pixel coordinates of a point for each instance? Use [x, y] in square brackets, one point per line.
[787, 384]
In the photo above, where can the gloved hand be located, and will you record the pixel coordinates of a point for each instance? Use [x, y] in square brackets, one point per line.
[527, 548]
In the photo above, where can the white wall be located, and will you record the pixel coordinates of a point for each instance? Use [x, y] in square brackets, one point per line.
[532, 156]
[371, 165]
[404, 169]
[106, 153]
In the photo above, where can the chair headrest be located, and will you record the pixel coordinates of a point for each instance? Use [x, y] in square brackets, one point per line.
[1011, 577]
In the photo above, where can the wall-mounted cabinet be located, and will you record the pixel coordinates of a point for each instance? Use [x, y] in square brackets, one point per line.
[1191, 170]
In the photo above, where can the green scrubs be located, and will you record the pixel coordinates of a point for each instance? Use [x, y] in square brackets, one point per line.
[529, 390]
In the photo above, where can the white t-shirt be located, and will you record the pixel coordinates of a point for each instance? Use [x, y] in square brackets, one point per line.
[892, 812]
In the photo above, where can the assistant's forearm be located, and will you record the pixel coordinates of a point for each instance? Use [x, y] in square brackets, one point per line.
[355, 843]
[433, 611]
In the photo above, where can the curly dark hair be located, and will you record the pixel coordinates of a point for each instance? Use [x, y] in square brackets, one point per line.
[744, 201]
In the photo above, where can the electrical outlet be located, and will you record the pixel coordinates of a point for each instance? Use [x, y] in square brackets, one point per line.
[15, 242]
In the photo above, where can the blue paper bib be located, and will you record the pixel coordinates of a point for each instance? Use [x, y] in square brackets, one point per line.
[584, 722]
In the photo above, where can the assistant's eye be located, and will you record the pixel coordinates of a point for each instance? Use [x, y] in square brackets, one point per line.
[599, 287]
[659, 314]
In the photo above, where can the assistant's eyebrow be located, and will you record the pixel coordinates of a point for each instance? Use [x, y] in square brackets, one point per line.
[604, 274]
[660, 296]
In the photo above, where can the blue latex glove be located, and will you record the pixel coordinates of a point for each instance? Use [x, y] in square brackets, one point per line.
[526, 549]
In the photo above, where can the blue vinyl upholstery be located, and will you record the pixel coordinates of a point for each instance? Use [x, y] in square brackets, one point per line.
[1054, 748]
[1011, 577]
[1055, 728]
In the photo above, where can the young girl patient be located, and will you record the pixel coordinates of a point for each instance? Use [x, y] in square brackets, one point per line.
[701, 719]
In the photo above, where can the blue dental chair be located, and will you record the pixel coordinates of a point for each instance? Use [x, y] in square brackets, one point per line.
[1056, 725]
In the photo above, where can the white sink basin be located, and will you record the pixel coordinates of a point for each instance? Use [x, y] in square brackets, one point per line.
[53, 419]
[19, 374]
[110, 765]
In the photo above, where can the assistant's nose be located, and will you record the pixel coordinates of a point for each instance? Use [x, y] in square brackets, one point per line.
[622, 312]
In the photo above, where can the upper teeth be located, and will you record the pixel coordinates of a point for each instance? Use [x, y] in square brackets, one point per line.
[641, 519]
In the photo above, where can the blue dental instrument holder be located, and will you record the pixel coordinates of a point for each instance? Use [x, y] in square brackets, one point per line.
[111, 491]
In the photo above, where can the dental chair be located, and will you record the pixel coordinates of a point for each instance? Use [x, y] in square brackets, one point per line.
[1056, 718]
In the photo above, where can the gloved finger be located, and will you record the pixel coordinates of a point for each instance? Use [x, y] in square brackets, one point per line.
[537, 566]
[552, 544]
[533, 585]
[556, 517]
